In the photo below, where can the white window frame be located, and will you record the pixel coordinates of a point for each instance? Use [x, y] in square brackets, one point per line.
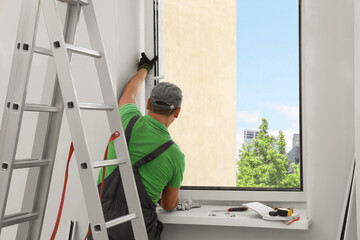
[227, 195]
[147, 44]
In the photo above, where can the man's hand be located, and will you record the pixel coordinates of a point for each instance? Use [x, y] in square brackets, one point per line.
[146, 63]
[188, 204]
[133, 87]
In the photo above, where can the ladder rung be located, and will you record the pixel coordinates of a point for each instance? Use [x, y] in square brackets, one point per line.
[106, 163]
[28, 163]
[84, 51]
[81, 2]
[17, 218]
[39, 108]
[73, 48]
[43, 51]
[120, 220]
[95, 106]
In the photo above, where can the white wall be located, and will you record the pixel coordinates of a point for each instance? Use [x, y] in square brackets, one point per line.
[120, 29]
[328, 118]
[328, 101]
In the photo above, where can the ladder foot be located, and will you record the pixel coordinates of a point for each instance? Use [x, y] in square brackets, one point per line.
[81, 2]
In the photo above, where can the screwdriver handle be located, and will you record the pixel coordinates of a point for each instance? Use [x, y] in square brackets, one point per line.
[238, 209]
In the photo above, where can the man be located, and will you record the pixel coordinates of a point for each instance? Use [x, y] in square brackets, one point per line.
[158, 162]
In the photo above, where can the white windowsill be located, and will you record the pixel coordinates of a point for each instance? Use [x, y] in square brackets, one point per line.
[200, 216]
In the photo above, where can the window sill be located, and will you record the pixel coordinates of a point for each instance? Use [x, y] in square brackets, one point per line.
[205, 216]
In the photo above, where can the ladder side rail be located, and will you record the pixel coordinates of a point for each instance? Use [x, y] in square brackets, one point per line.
[43, 125]
[18, 47]
[15, 99]
[90, 191]
[46, 142]
[45, 174]
[115, 122]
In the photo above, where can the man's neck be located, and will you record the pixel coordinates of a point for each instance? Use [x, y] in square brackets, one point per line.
[166, 121]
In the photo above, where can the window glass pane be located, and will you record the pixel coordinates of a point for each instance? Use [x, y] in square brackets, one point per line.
[237, 63]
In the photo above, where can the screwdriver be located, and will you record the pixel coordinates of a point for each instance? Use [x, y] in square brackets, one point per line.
[235, 209]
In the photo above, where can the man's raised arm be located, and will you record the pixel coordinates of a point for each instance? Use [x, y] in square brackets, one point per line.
[133, 87]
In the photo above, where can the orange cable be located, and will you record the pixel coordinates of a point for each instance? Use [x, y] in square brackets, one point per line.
[63, 193]
[288, 223]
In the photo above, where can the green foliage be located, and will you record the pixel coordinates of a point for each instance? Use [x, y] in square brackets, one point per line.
[263, 163]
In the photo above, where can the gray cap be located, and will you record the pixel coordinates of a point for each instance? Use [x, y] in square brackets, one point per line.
[166, 95]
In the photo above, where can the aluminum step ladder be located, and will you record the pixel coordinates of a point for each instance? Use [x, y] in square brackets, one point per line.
[59, 95]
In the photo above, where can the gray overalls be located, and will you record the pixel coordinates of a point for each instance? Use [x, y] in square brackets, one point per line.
[113, 198]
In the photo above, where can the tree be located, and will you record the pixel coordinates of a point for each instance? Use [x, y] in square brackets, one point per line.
[263, 163]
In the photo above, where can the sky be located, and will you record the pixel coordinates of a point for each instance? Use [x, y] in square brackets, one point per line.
[267, 59]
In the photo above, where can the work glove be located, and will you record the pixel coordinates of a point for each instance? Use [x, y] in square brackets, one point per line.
[145, 63]
[188, 204]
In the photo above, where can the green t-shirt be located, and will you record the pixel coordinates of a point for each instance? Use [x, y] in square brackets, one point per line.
[147, 135]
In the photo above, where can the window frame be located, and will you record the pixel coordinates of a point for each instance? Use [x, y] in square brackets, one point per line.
[231, 193]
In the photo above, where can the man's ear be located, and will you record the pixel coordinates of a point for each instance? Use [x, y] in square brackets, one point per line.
[148, 104]
[177, 112]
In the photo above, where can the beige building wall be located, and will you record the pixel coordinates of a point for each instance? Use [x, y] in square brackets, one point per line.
[200, 57]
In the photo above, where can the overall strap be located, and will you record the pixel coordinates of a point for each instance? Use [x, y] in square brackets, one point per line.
[154, 154]
[129, 128]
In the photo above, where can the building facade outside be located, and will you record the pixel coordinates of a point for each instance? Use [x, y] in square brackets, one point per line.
[200, 57]
[294, 154]
[249, 136]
